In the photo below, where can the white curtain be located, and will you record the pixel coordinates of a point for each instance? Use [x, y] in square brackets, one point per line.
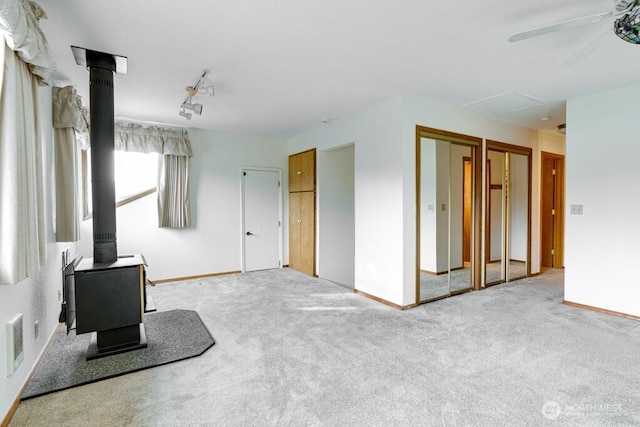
[70, 126]
[173, 192]
[22, 232]
[19, 24]
[173, 176]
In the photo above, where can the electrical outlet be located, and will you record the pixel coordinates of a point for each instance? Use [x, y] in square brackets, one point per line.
[36, 329]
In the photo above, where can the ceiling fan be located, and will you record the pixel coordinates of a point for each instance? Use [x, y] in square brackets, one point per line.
[626, 26]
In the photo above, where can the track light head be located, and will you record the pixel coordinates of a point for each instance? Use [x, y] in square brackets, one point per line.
[185, 114]
[196, 108]
[208, 91]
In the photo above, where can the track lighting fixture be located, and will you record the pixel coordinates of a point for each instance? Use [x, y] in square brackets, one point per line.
[200, 87]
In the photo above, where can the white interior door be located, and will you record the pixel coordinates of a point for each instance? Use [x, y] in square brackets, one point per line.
[262, 236]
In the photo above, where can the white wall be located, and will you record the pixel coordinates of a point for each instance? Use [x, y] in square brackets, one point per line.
[602, 175]
[378, 193]
[385, 186]
[336, 215]
[213, 243]
[36, 297]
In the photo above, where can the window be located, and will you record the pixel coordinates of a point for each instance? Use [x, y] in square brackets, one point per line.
[136, 176]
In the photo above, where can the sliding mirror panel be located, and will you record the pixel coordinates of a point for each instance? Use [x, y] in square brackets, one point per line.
[446, 200]
[507, 235]
[434, 219]
[460, 217]
[496, 217]
[518, 214]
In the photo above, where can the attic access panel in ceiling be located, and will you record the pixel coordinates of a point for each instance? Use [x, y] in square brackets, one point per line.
[504, 103]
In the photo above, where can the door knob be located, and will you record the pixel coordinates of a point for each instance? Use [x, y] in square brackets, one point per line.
[249, 233]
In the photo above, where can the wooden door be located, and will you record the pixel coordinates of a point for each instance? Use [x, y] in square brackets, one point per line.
[302, 207]
[307, 232]
[302, 171]
[552, 211]
[294, 230]
[302, 211]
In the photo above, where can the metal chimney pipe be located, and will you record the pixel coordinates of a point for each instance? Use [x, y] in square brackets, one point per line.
[102, 67]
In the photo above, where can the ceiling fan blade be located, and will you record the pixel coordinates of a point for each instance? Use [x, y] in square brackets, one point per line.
[572, 23]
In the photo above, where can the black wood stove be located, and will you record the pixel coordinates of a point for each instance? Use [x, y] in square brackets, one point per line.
[109, 296]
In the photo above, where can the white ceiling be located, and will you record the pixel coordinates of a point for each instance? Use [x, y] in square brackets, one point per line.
[280, 66]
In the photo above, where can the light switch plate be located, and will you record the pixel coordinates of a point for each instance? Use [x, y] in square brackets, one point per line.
[575, 210]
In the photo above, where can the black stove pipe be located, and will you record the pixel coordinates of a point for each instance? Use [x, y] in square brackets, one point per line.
[102, 68]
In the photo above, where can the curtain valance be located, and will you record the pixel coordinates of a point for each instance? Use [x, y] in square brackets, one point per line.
[68, 111]
[19, 23]
[152, 139]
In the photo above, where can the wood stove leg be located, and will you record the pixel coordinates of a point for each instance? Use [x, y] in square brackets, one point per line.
[114, 341]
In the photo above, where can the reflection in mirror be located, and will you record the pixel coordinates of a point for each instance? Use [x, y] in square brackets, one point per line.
[434, 219]
[446, 215]
[496, 166]
[460, 186]
[518, 215]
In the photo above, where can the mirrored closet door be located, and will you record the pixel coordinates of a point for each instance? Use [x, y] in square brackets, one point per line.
[508, 202]
[447, 211]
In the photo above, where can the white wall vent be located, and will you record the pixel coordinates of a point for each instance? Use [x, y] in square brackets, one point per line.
[15, 348]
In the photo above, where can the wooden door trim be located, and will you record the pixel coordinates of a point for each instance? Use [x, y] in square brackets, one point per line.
[445, 135]
[508, 148]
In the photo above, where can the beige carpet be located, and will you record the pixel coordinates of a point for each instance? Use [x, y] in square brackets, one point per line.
[297, 351]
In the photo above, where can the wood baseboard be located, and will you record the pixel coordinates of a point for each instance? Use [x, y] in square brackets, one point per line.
[200, 276]
[385, 302]
[601, 310]
[12, 410]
